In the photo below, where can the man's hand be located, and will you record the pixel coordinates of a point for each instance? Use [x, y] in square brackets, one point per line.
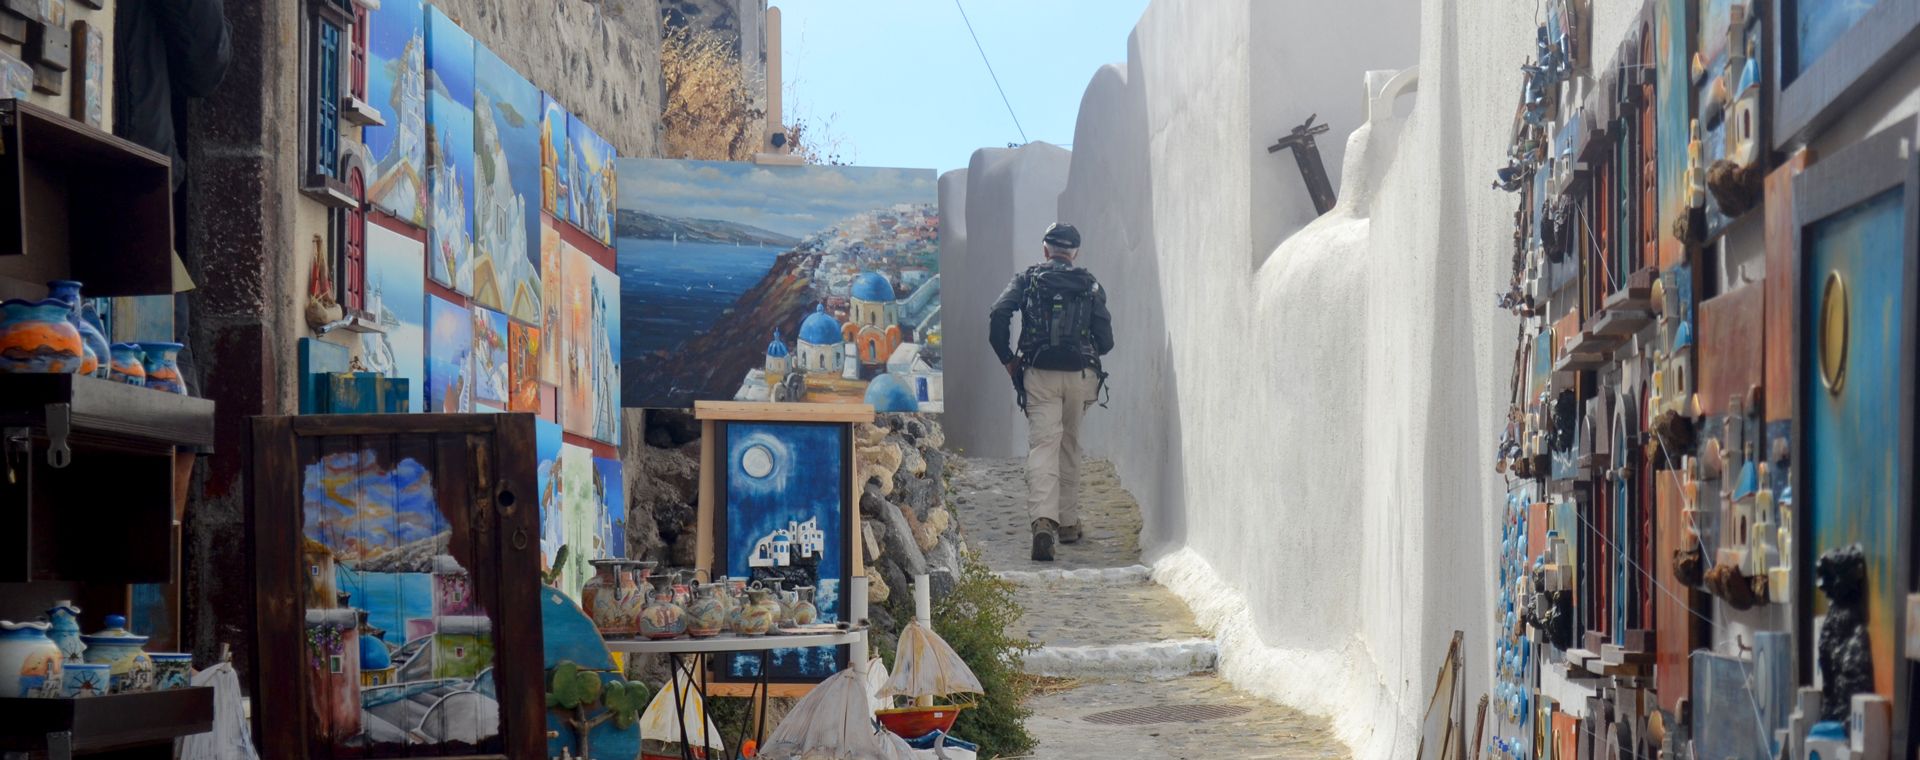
[1013, 368]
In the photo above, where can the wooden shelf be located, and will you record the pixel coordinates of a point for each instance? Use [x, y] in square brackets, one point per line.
[107, 410]
[97, 724]
[748, 411]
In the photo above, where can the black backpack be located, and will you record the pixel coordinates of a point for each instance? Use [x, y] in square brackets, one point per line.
[1057, 319]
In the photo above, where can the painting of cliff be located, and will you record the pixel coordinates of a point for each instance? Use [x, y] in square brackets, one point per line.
[778, 283]
[397, 86]
[396, 295]
[449, 356]
[506, 223]
[450, 153]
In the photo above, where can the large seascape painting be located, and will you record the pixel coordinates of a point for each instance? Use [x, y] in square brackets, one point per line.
[786, 523]
[776, 283]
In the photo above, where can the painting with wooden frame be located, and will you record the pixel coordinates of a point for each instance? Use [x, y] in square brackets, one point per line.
[399, 555]
[1855, 216]
[1827, 54]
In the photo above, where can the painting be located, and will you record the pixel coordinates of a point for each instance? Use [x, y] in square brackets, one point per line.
[591, 190]
[392, 623]
[547, 437]
[590, 380]
[582, 522]
[506, 242]
[556, 159]
[523, 370]
[553, 298]
[89, 99]
[1817, 25]
[778, 283]
[449, 356]
[1854, 484]
[1672, 39]
[450, 152]
[490, 371]
[16, 78]
[397, 86]
[785, 522]
[1726, 720]
[396, 296]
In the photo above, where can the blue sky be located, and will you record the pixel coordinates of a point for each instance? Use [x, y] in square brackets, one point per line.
[903, 85]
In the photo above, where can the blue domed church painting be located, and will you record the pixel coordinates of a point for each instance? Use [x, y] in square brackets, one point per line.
[778, 283]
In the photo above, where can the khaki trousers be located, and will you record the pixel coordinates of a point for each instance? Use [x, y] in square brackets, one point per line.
[1056, 402]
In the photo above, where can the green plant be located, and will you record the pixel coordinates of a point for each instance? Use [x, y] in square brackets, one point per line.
[978, 617]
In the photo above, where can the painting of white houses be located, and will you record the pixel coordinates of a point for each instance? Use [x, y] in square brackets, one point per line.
[777, 549]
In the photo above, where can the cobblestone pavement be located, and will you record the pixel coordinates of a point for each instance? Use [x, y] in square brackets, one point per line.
[1095, 599]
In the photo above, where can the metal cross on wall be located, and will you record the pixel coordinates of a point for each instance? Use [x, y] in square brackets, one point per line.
[1307, 153]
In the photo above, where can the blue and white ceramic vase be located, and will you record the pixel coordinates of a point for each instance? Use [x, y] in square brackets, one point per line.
[86, 679]
[35, 337]
[30, 663]
[163, 367]
[172, 670]
[127, 365]
[119, 648]
[91, 337]
[65, 631]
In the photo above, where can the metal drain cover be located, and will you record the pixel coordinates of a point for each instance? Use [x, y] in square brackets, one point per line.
[1141, 716]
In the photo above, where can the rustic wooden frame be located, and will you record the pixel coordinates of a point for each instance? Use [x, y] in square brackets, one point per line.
[496, 469]
[1881, 162]
[1881, 40]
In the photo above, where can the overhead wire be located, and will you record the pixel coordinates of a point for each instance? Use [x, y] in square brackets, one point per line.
[996, 77]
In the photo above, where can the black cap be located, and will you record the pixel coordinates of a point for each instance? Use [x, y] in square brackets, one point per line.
[1062, 235]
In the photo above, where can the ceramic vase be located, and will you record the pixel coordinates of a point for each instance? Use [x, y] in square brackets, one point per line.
[759, 615]
[64, 629]
[605, 578]
[91, 338]
[85, 679]
[737, 607]
[804, 611]
[172, 670]
[706, 616]
[35, 337]
[663, 618]
[131, 669]
[30, 663]
[788, 599]
[617, 600]
[126, 366]
[163, 367]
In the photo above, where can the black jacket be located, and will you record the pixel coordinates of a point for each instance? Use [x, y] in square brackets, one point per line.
[1000, 318]
[165, 51]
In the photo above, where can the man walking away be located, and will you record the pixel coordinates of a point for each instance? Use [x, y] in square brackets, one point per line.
[1064, 330]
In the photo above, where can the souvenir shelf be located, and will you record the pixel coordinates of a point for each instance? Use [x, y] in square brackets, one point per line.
[61, 728]
[77, 203]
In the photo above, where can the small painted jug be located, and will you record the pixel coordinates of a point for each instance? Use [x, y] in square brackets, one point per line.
[663, 618]
[617, 604]
[30, 663]
[85, 679]
[131, 668]
[64, 622]
[804, 611]
[705, 616]
[94, 341]
[758, 617]
[163, 367]
[35, 337]
[172, 670]
[126, 366]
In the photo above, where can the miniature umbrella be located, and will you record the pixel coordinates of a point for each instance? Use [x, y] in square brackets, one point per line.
[834, 721]
[658, 724]
[926, 666]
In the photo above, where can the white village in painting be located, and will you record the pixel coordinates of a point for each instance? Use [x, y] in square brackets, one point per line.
[776, 549]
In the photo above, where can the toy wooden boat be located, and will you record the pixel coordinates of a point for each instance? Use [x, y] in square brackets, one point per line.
[925, 666]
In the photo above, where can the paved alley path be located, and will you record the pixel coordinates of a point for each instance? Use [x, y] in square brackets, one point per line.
[1114, 640]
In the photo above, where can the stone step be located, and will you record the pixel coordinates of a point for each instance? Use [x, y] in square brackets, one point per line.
[1067, 613]
[1118, 576]
[1158, 660]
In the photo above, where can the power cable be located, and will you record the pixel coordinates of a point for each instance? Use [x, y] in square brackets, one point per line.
[996, 77]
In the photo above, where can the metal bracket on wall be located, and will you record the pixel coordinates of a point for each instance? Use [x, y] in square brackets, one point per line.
[1307, 153]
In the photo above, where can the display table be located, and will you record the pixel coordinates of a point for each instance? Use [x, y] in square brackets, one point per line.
[678, 651]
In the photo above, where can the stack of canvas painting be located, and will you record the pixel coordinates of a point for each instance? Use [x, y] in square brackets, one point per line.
[774, 283]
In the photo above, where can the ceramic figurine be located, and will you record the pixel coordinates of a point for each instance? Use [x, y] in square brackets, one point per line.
[163, 367]
[132, 669]
[85, 679]
[1845, 653]
[758, 617]
[663, 618]
[804, 611]
[172, 670]
[94, 341]
[125, 366]
[30, 663]
[35, 337]
[706, 617]
[65, 631]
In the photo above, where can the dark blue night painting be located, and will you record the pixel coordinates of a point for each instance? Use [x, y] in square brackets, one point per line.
[786, 522]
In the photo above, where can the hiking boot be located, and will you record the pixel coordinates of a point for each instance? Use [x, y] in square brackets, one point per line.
[1043, 532]
[1069, 534]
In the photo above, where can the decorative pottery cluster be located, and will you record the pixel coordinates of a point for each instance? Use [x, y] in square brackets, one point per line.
[52, 659]
[60, 335]
[629, 598]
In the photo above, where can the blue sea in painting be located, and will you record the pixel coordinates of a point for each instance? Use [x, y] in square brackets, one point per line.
[390, 599]
[671, 292]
